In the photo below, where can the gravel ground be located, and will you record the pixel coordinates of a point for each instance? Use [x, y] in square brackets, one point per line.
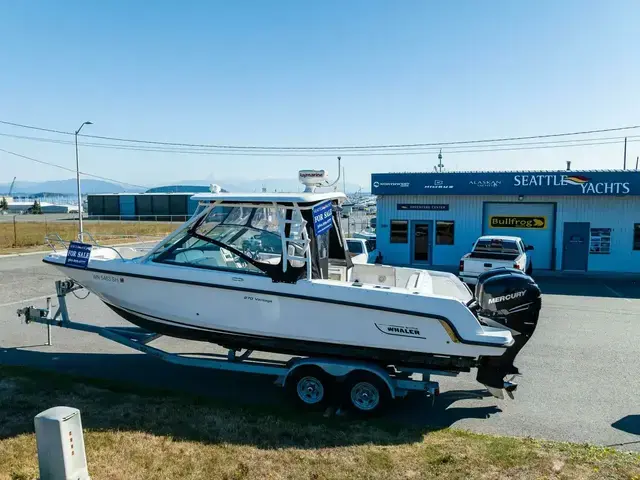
[581, 370]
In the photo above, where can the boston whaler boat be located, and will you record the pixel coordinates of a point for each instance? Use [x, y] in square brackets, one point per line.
[271, 272]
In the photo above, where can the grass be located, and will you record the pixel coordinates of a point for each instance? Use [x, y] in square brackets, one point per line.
[143, 434]
[29, 235]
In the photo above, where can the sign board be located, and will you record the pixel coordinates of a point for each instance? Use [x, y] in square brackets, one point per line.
[533, 222]
[600, 241]
[585, 183]
[322, 217]
[78, 255]
[421, 206]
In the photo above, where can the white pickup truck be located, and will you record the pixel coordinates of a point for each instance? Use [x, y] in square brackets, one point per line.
[362, 251]
[491, 252]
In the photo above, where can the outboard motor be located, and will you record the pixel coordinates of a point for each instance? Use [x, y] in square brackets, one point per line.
[506, 298]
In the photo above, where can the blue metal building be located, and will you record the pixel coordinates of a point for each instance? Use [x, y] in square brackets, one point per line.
[159, 203]
[576, 221]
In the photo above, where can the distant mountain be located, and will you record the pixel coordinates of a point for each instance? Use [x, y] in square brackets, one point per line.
[66, 187]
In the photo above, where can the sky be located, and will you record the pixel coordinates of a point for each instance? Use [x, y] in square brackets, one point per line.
[307, 74]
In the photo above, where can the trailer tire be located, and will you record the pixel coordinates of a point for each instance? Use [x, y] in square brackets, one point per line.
[366, 393]
[310, 387]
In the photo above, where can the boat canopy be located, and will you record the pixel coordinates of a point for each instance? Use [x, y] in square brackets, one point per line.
[300, 198]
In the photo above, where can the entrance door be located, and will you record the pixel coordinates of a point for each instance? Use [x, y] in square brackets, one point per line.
[421, 243]
[575, 246]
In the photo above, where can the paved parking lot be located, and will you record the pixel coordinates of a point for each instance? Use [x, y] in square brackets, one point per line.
[581, 370]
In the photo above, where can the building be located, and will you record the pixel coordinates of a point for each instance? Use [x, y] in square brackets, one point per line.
[576, 221]
[159, 203]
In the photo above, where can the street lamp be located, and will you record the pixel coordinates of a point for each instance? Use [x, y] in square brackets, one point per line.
[78, 182]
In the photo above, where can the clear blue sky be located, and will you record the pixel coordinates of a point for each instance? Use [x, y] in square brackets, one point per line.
[314, 73]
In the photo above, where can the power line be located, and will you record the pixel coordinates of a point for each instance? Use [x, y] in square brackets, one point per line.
[70, 169]
[325, 148]
[497, 147]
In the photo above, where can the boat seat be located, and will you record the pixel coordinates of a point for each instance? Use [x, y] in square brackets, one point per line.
[374, 274]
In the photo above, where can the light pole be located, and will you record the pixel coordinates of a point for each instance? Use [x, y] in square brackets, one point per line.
[78, 182]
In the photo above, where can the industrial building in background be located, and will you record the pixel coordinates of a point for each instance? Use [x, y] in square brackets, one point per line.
[576, 221]
[160, 203]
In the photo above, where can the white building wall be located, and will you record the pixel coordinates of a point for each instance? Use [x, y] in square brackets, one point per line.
[617, 213]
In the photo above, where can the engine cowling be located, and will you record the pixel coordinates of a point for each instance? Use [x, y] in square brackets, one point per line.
[506, 298]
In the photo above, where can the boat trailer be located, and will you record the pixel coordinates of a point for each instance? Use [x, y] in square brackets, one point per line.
[364, 387]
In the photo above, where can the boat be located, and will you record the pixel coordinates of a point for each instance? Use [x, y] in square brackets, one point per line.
[272, 272]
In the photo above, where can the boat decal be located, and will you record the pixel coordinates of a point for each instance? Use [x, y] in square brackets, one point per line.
[299, 297]
[399, 330]
[101, 277]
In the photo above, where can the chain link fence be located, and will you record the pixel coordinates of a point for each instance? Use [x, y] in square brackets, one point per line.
[23, 231]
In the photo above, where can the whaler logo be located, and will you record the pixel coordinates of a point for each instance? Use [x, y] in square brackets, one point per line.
[504, 298]
[401, 330]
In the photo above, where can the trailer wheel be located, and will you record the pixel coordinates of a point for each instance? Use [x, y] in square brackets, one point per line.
[366, 393]
[310, 387]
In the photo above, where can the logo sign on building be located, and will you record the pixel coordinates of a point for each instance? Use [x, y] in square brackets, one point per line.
[517, 221]
[78, 255]
[322, 219]
[423, 206]
[587, 183]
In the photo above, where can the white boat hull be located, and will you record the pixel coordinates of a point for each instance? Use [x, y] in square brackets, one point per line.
[245, 310]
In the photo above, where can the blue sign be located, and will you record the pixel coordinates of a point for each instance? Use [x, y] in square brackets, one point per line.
[585, 183]
[422, 206]
[322, 217]
[78, 255]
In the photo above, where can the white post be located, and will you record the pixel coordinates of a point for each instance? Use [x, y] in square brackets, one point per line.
[61, 454]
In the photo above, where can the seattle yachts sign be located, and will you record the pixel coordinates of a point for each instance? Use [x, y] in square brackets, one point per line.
[552, 183]
[585, 183]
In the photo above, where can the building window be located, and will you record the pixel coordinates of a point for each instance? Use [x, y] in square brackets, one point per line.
[399, 231]
[636, 236]
[444, 232]
[600, 241]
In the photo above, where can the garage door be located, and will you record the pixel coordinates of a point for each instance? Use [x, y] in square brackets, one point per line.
[533, 222]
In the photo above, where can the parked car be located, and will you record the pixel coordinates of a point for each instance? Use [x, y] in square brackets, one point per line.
[362, 251]
[491, 252]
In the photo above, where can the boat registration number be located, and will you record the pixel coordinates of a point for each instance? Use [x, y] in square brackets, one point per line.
[107, 278]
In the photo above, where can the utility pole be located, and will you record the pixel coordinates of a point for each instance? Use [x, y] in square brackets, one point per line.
[637, 163]
[344, 182]
[78, 183]
[624, 165]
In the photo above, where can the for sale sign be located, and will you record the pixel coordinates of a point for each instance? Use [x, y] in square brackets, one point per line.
[78, 255]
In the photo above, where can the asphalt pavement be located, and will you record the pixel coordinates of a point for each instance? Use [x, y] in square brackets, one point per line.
[580, 383]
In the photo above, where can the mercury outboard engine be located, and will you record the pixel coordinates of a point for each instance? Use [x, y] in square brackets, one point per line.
[506, 298]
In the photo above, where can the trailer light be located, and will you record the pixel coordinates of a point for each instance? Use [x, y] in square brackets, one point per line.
[462, 265]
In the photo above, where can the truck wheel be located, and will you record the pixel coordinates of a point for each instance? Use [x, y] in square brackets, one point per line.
[366, 393]
[310, 387]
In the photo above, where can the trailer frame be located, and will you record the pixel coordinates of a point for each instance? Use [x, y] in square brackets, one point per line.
[398, 380]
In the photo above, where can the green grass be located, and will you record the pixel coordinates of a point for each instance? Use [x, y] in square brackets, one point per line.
[136, 433]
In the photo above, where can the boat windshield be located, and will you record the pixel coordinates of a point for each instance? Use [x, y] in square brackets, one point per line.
[235, 238]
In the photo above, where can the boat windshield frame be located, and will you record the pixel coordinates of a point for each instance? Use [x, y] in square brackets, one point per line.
[283, 219]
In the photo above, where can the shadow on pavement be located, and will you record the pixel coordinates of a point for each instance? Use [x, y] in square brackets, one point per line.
[589, 287]
[407, 421]
[629, 424]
